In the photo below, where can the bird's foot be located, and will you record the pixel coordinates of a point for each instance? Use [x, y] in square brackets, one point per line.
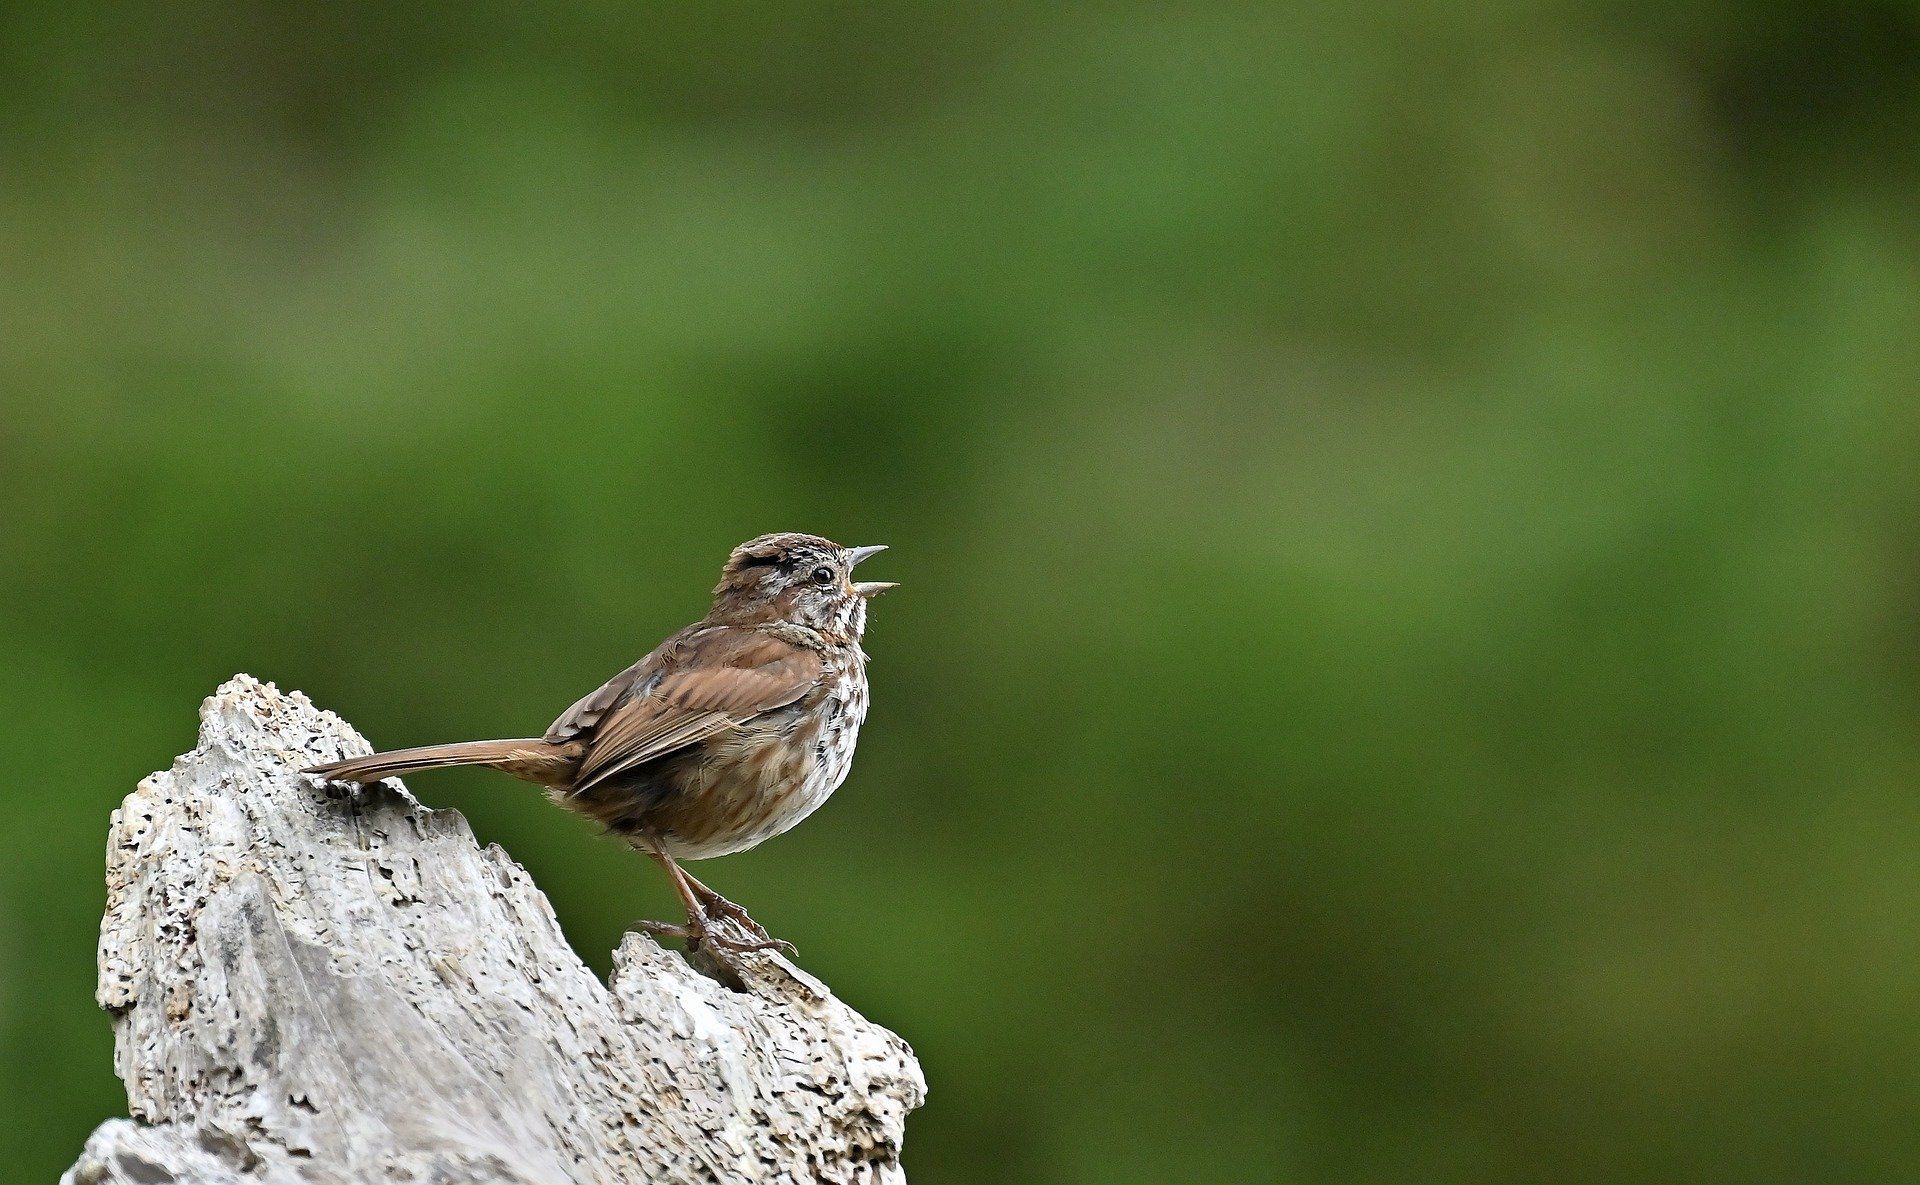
[714, 905]
[722, 942]
[697, 933]
[665, 930]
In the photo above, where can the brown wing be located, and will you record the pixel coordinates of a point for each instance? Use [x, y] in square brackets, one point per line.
[702, 684]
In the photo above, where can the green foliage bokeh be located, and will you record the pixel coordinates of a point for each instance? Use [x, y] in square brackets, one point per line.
[1405, 662]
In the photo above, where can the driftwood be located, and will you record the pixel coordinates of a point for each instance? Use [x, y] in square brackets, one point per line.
[315, 985]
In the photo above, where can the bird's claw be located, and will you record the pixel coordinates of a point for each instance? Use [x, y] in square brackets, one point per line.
[745, 946]
[664, 930]
[696, 936]
[718, 905]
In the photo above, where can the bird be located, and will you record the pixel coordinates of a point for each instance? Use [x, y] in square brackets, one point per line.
[725, 735]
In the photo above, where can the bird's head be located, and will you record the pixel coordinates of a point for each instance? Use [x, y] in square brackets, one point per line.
[796, 578]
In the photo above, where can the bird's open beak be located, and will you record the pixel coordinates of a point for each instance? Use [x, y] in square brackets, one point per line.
[868, 588]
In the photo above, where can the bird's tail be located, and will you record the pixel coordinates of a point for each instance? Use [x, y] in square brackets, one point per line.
[546, 762]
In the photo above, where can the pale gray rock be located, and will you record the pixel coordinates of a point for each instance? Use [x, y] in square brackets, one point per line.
[317, 984]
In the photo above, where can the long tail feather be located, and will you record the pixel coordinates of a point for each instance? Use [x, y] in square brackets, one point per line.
[534, 760]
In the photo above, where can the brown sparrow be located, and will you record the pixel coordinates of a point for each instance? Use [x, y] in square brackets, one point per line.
[727, 734]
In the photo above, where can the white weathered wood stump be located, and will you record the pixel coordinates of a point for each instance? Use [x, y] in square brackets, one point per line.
[317, 985]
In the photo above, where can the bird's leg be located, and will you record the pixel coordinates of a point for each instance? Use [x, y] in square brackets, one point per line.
[714, 903]
[697, 930]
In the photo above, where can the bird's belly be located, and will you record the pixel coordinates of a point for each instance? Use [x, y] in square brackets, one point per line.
[756, 783]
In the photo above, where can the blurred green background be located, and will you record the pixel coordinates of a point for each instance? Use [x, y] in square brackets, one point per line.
[1405, 668]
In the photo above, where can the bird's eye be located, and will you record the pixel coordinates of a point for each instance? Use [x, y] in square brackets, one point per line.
[822, 575]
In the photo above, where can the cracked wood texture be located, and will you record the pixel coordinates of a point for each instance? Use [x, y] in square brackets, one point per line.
[313, 984]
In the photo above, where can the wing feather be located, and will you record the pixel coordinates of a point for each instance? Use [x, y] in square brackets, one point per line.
[712, 681]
